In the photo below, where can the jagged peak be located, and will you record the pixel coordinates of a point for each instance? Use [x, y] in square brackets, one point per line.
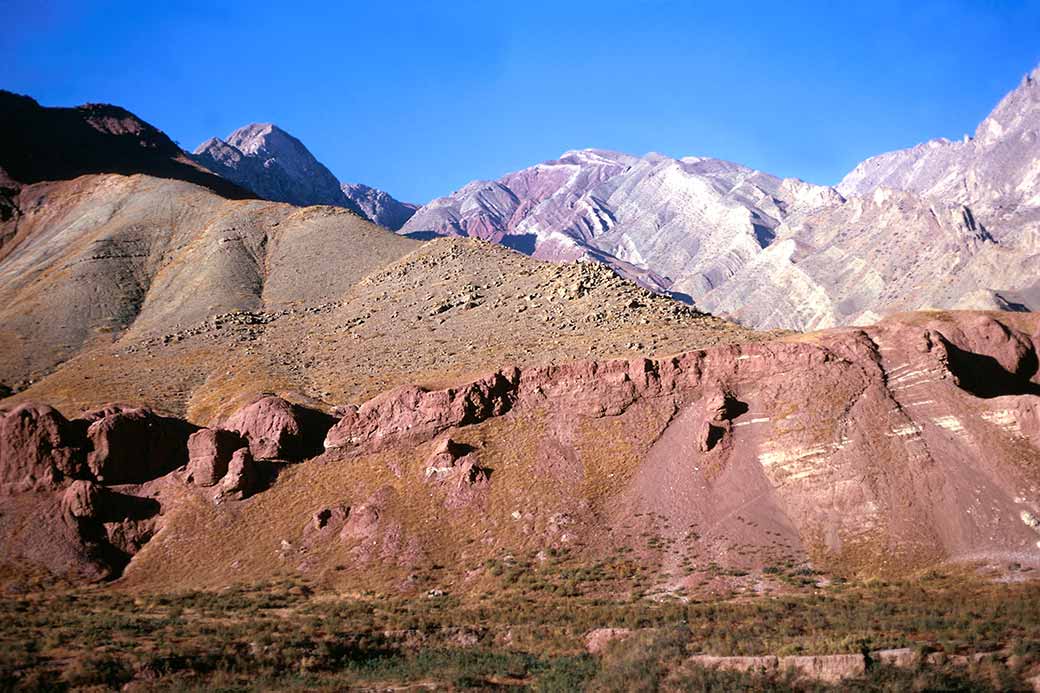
[1032, 78]
[210, 144]
[255, 137]
[593, 155]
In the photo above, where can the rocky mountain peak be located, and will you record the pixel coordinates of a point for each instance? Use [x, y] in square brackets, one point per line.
[275, 165]
[267, 139]
[1019, 110]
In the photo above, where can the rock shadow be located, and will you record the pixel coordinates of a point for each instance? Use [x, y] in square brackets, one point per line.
[984, 377]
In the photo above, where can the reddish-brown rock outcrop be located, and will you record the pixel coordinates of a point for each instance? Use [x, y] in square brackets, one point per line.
[420, 413]
[454, 466]
[37, 449]
[108, 526]
[242, 478]
[209, 453]
[277, 429]
[905, 444]
[131, 445]
[859, 447]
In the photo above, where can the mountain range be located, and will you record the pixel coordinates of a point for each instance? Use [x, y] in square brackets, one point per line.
[229, 368]
[941, 225]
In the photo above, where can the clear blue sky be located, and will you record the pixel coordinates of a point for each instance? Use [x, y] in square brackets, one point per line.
[420, 98]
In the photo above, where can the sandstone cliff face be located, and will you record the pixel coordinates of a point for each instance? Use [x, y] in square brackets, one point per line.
[878, 450]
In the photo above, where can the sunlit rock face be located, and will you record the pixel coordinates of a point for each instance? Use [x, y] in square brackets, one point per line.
[942, 225]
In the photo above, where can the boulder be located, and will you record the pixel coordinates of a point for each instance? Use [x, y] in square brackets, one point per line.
[827, 668]
[81, 500]
[242, 479]
[362, 522]
[328, 517]
[597, 640]
[763, 664]
[467, 483]
[134, 445]
[455, 467]
[718, 409]
[325, 523]
[209, 453]
[109, 527]
[904, 657]
[277, 429]
[36, 449]
[415, 411]
[444, 457]
[87, 500]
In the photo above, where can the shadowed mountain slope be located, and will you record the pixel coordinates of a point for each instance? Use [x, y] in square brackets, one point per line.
[38, 143]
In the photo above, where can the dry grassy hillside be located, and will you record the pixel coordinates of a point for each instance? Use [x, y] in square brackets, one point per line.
[159, 292]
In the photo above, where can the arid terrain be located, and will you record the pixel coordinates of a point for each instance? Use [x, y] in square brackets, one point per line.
[247, 443]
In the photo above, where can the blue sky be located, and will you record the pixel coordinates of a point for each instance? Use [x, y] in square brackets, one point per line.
[420, 98]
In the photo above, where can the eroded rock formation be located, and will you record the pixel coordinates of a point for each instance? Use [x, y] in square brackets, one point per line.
[37, 449]
[277, 429]
[882, 449]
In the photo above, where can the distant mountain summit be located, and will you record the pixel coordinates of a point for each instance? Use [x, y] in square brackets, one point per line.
[684, 225]
[273, 164]
[278, 167]
[996, 172]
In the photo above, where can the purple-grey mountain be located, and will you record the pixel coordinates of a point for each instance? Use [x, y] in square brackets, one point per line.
[942, 225]
[278, 167]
